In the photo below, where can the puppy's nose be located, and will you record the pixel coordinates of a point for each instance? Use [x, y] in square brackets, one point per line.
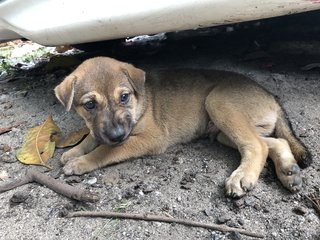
[117, 134]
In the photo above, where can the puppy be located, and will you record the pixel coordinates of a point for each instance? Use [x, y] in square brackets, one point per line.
[131, 113]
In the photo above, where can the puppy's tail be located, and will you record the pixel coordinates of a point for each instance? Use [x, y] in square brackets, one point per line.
[300, 152]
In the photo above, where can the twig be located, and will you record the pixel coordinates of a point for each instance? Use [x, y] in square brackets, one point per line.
[8, 129]
[157, 218]
[315, 201]
[54, 184]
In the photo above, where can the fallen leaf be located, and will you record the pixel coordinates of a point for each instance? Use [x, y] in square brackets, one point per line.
[73, 138]
[39, 144]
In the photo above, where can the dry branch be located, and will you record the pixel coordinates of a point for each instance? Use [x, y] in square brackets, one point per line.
[157, 218]
[8, 129]
[54, 184]
[315, 200]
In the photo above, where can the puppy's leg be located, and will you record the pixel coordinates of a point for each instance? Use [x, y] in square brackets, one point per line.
[86, 146]
[222, 138]
[286, 166]
[104, 155]
[240, 131]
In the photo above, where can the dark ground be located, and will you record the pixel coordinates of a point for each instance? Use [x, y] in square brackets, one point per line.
[188, 180]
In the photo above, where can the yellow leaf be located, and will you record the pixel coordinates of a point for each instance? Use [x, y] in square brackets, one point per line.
[73, 138]
[39, 144]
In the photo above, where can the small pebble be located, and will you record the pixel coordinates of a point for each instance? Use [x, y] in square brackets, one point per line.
[241, 221]
[91, 180]
[111, 178]
[249, 202]
[303, 134]
[208, 212]
[234, 236]
[19, 197]
[4, 175]
[257, 207]
[233, 224]
[216, 236]
[177, 160]
[223, 218]
[7, 159]
[239, 203]
[300, 210]
[7, 106]
[186, 186]
[5, 147]
[4, 98]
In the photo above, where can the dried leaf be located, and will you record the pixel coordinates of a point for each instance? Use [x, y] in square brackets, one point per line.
[39, 144]
[73, 138]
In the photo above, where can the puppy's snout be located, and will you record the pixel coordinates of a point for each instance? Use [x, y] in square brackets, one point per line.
[117, 134]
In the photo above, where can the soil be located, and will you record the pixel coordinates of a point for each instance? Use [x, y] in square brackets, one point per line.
[188, 180]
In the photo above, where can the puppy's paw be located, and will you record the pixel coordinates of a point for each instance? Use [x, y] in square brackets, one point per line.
[72, 153]
[78, 166]
[290, 177]
[240, 182]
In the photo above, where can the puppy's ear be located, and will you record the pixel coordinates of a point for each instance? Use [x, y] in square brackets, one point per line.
[65, 91]
[136, 77]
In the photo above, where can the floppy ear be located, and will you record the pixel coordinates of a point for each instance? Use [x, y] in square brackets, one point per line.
[136, 77]
[65, 91]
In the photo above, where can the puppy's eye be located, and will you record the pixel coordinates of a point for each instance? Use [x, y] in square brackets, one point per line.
[89, 105]
[124, 98]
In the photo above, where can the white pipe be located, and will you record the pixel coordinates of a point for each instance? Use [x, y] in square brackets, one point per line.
[55, 22]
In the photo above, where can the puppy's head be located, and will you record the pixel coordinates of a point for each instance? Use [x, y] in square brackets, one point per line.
[108, 95]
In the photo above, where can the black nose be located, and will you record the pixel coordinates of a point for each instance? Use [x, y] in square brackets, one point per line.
[117, 134]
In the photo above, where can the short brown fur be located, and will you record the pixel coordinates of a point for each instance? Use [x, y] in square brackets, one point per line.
[131, 114]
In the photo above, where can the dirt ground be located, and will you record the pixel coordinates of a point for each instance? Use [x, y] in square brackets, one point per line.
[188, 180]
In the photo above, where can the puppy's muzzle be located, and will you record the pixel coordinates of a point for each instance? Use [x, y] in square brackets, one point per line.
[117, 135]
[113, 136]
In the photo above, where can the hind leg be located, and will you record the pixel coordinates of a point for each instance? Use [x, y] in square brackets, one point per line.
[238, 129]
[286, 166]
[253, 158]
[222, 138]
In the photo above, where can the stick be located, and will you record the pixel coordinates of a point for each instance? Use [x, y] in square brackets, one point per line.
[54, 184]
[8, 129]
[157, 218]
[315, 202]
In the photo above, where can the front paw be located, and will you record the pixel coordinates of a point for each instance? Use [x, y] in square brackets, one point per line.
[240, 182]
[78, 166]
[72, 153]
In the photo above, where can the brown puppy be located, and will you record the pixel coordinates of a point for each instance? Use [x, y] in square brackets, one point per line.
[131, 113]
